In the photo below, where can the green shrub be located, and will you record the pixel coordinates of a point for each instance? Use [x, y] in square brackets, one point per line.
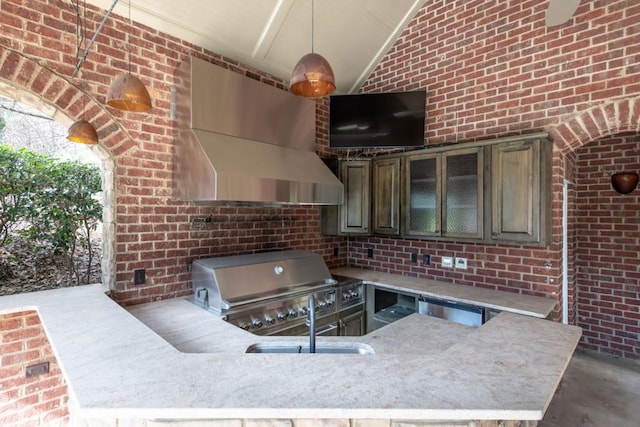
[50, 202]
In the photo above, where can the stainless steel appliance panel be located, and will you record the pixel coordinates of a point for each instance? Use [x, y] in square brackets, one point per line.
[464, 314]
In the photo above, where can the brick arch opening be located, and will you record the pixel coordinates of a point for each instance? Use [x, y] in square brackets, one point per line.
[603, 120]
[28, 82]
[606, 133]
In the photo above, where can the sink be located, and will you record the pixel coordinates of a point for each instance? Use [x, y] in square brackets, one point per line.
[342, 348]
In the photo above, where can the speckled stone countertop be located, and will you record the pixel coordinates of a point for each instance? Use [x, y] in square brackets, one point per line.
[499, 300]
[187, 364]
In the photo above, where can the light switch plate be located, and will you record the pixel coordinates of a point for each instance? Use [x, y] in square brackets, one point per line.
[461, 263]
[447, 262]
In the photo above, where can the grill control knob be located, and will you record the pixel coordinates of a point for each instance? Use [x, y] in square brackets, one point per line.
[330, 303]
[270, 320]
[282, 316]
[256, 324]
[354, 294]
[293, 313]
[322, 304]
[304, 311]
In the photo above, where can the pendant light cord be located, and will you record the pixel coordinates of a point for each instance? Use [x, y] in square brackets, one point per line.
[129, 40]
[312, 20]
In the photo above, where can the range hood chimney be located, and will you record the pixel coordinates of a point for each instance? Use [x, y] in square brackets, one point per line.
[244, 141]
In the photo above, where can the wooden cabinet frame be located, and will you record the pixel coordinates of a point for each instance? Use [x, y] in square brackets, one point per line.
[514, 193]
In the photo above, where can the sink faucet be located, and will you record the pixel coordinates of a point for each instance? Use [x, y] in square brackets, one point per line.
[311, 322]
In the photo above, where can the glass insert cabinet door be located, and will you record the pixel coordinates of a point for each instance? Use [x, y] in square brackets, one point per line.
[462, 193]
[444, 194]
[424, 202]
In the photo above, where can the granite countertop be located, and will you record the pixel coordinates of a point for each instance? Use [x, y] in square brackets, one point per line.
[498, 300]
[188, 364]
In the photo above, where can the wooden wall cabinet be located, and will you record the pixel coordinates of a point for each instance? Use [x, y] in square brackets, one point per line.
[353, 216]
[386, 196]
[494, 191]
[520, 191]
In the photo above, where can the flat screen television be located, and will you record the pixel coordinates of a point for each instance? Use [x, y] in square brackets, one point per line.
[377, 120]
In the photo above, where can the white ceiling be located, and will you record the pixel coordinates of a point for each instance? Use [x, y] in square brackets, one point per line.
[272, 35]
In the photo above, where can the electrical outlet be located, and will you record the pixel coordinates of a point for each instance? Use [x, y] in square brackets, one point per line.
[414, 257]
[37, 369]
[139, 276]
[426, 259]
[447, 262]
[461, 263]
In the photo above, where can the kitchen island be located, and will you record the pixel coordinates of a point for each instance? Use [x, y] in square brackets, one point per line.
[186, 364]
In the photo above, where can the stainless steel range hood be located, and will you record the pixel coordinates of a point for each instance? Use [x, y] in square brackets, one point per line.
[241, 140]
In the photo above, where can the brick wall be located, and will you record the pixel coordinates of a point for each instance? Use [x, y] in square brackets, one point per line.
[608, 228]
[490, 69]
[149, 228]
[39, 400]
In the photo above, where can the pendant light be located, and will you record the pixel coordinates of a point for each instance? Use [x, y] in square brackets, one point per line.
[82, 131]
[127, 92]
[312, 76]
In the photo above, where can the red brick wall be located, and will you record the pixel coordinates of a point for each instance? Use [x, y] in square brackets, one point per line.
[152, 230]
[166, 245]
[608, 228]
[39, 400]
[492, 68]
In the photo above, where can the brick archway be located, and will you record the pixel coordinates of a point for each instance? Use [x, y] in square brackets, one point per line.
[601, 121]
[37, 86]
[597, 122]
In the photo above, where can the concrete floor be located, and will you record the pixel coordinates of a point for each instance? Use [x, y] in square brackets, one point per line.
[596, 391]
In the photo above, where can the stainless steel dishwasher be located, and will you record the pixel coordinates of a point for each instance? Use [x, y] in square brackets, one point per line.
[465, 314]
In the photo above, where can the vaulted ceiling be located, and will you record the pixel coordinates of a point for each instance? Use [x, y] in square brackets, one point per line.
[272, 35]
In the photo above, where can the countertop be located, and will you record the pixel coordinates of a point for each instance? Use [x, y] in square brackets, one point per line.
[423, 368]
[528, 305]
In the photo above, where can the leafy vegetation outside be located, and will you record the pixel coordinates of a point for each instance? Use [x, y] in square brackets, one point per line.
[50, 208]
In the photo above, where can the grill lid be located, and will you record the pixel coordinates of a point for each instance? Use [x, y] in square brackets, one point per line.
[225, 282]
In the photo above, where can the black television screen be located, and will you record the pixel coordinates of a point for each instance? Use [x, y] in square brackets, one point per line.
[377, 120]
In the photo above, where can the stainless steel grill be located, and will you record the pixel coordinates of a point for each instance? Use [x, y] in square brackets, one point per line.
[267, 293]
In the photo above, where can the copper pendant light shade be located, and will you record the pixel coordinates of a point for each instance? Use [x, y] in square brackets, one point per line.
[128, 93]
[312, 77]
[624, 182]
[83, 132]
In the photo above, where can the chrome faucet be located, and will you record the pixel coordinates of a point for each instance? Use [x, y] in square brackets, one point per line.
[311, 322]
